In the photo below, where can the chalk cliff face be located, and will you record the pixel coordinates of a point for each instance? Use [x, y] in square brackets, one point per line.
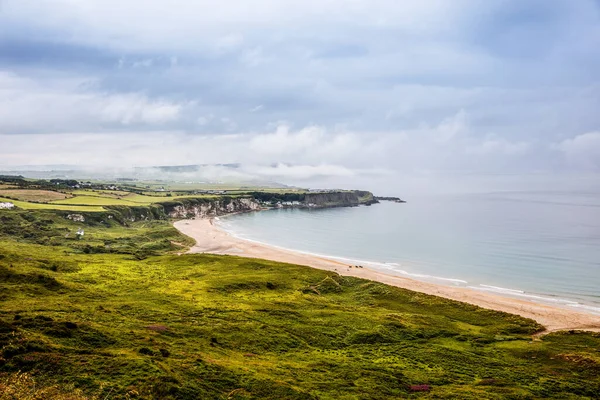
[211, 208]
[203, 207]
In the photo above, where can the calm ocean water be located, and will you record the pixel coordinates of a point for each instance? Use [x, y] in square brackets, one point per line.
[544, 246]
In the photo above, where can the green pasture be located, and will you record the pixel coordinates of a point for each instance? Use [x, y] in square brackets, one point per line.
[122, 313]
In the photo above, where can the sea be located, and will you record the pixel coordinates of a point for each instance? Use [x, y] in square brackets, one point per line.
[534, 245]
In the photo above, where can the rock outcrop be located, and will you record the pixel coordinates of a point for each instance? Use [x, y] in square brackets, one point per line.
[394, 199]
[76, 217]
[211, 208]
[339, 199]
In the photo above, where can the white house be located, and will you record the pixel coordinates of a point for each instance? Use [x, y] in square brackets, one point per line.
[6, 206]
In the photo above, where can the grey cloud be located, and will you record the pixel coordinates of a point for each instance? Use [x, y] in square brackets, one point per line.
[309, 86]
[65, 105]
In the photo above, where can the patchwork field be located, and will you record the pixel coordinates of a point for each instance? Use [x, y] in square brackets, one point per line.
[49, 206]
[97, 201]
[102, 193]
[130, 200]
[119, 314]
[7, 186]
[30, 194]
[34, 195]
[142, 199]
[83, 200]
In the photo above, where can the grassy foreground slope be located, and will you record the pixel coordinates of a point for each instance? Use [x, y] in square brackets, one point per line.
[119, 314]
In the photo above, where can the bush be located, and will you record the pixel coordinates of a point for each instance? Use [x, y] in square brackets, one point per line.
[23, 386]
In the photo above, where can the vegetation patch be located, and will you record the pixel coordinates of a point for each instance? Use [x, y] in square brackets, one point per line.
[33, 195]
[26, 205]
[20, 385]
[118, 314]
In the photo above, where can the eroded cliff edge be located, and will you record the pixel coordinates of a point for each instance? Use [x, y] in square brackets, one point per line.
[202, 207]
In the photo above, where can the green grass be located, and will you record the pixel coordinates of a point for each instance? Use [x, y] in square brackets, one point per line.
[87, 200]
[48, 206]
[120, 312]
[132, 199]
[95, 200]
[101, 193]
[142, 199]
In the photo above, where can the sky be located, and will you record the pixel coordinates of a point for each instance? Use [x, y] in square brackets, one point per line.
[378, 93]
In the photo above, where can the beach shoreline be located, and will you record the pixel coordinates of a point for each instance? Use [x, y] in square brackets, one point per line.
[210, 238]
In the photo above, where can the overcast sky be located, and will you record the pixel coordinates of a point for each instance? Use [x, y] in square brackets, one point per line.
[328, 91]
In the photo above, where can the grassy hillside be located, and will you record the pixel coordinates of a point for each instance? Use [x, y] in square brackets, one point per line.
[118, 314]
[94, 197]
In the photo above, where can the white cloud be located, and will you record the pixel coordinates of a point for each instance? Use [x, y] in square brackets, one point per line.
[229, 42]
[309, 156]
[228, 123]
[582, 151]
[253, 57]
[134, 108]
[181, 23]
[283, 142]
[205, 119]
[145, 63]
[286, 172]
[67, 104]
[498, 146]
[313, 144]
[449, 128]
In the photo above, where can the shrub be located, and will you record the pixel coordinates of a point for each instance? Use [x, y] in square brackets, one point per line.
[23, 386]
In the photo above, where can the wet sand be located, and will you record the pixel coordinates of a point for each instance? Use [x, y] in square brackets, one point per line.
[211, 239]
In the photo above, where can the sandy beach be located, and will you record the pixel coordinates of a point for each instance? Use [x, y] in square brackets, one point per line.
[211, 239]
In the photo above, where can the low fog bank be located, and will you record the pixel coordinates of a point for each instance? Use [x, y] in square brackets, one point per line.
[381, 182]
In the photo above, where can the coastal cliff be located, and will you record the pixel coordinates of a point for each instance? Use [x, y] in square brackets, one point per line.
[203, 207]
[323, 199]
[340, 199]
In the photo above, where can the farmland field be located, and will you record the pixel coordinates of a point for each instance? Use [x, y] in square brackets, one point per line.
[141, 199]
[96, 201]
[34, 195]
[130, 200]
[101, 193]
[49, 206]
